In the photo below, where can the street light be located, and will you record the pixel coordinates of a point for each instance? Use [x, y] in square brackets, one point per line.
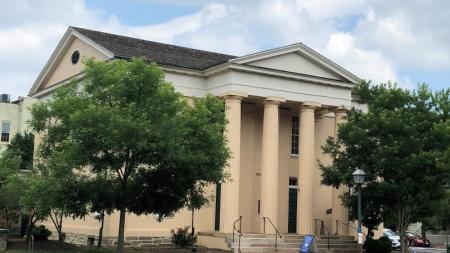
[358, 177]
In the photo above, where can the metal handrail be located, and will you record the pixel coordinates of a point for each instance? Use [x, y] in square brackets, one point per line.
[277, 233]
[348, 225]
[30, 243]
[322, 223]
[239, 232]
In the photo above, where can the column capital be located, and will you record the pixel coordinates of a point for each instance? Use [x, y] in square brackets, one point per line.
[321, 112]
[309, 106]
[273, 100]
[340, 110]
[234, 95]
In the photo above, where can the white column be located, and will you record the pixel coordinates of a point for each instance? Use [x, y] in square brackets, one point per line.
[339, 211]
[307, 160]
[229, 201]
[269, 163]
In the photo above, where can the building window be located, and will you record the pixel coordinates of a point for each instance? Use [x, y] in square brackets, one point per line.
[293, 182]
[6, 127]
[294, 135]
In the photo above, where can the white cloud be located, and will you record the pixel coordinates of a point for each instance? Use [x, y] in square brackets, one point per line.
[373, 64]
[167, 32]
[415, 34]
[379, 40]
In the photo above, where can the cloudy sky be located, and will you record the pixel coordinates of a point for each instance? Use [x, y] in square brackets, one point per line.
[406, 41]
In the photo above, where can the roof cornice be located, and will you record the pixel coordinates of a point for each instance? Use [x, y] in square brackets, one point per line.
[91, 43]
[276, 73]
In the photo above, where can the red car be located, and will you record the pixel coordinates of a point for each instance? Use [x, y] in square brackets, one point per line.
[416, 241]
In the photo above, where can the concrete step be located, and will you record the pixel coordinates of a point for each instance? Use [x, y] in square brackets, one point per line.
[286, 244]
[334, 241]
[266, 249]
[255, 243]
[270, 249]
[355, 250]
[290, 241]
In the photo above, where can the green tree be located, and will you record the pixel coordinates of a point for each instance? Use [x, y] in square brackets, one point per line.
[56, 192]
[372, 206]
[401, 143]
[125, 120]
[17, 156]
[101, 200]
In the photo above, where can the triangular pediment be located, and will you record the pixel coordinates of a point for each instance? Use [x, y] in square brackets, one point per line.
[60, 66]
[296, 63]
[297, 59]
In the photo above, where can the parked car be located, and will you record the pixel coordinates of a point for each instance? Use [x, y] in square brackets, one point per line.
[395, 239]
[417, 241]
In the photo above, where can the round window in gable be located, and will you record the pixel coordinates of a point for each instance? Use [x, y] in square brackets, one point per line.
[75, 57]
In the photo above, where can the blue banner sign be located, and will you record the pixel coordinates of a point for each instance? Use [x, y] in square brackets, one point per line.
[307, 244]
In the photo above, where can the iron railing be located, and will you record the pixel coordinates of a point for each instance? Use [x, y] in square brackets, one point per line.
[346, 224]
[239, 232]
[277, 233]
[323, 230]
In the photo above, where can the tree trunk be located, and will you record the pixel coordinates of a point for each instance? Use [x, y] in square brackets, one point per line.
[6, 218]
[120, 239]
[60, 233]
[100, 231]
[192, 229]
[401, 232]
[423, 232]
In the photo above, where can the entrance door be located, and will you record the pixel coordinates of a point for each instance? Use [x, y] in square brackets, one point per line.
[292, 210]
[217, 215]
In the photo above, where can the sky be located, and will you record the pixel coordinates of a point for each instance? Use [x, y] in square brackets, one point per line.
[403, 41]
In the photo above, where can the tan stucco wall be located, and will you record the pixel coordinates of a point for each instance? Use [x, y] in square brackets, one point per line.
[252, 118]
[250, 183]
[10, 113]
[143, 225]
[323, 196]
[18, 113]
[65, 69]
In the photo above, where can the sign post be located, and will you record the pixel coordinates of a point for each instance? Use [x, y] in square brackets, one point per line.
[309, 245]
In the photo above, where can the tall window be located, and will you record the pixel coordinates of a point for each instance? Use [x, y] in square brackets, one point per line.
[6, 127]
[294, 135]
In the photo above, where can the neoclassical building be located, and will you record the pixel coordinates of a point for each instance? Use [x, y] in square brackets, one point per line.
[281, 104]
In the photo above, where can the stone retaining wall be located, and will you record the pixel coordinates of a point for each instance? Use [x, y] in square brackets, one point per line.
[140, 241]
[130, 241]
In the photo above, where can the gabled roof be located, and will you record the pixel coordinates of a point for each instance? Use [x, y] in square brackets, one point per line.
[303, 50]
[122, 47]
[164, 54]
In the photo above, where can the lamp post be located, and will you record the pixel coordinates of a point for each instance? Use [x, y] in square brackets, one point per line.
[358, 177]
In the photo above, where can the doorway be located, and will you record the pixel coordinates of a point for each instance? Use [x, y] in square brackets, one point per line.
[292, 209]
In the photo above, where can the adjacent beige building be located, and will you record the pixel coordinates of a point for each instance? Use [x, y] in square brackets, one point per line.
[282, 104]
[13, 118]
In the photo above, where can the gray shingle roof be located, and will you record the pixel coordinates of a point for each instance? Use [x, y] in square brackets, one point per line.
[165, 54]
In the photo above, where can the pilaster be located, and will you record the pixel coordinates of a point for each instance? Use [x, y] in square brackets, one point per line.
[339, 211]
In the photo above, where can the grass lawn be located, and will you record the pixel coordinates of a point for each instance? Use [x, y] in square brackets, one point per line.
[61, 251]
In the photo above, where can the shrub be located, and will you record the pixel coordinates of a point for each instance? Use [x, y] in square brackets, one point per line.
[181, 238]
[382, 245]
[40, 233]
[385, 244]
